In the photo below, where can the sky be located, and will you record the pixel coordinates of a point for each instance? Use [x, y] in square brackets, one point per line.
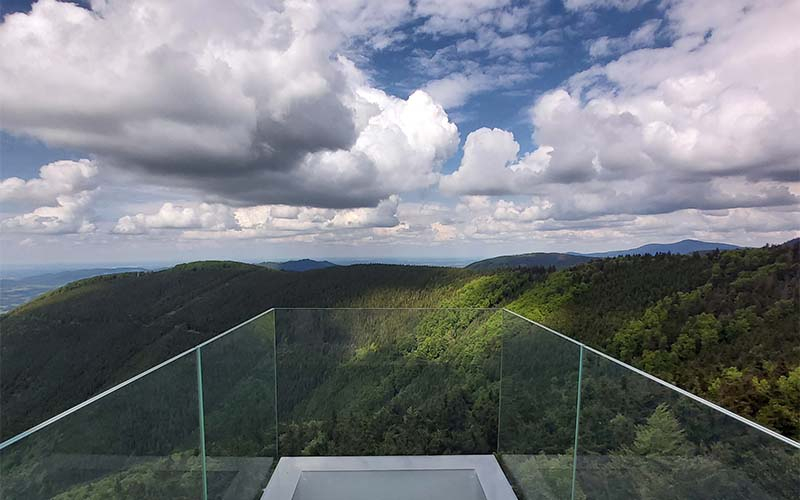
[152, 131]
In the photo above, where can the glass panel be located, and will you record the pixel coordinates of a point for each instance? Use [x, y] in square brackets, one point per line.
[537, 409]
[640, 439]
[139, 442]
[239, 408]
[434, 380]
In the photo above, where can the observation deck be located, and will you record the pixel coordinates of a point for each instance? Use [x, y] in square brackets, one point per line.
[477, 404]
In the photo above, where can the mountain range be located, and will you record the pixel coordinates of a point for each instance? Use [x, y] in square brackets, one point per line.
[713, 323]
[680, 247]
[569, 259]
[17, 291]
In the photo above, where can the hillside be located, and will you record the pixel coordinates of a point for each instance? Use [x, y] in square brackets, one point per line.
[16, 291]
[102, 330]
[723, 325]
[538, 259]
[298, 265]
[717, 323]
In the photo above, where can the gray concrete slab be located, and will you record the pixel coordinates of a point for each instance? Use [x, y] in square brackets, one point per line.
[453, 477]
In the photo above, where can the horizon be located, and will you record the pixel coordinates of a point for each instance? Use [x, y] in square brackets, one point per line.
[24, 270]
[422, 130]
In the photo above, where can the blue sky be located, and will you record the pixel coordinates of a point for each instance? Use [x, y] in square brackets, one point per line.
[143, 131]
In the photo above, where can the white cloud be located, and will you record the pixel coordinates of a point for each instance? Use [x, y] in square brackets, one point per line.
[454, 90]
[661, 130]
[526, 226]
[169, 216]
[691, 108]
[55, 179]
[63, 193]
[384, 215]
[407, 141]
[369, 19]
[457, 80]
[458, 16]
[624, 5]
[443, 232]
[219, 221]
[643, 36]
[248, 103]
[70, 214]
[287, 141]
[490, 165]
[515, 45]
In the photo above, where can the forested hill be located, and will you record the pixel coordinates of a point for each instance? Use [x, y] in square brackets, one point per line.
[722, 324]
[538, 259]
[298, 265]
[68, 344]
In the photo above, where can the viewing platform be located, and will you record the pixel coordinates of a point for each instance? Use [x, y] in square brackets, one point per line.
[358, 404]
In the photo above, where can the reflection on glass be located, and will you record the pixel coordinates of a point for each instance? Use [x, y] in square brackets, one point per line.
[139, 442]
[238, 379]
[538, 409]
[433, 381]
[565, 420]
[641, 439]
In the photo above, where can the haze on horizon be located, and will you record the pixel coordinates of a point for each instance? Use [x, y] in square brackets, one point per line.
[143, 130]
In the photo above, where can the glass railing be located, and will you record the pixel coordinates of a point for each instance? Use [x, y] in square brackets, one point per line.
[576, 423]
[565, 420]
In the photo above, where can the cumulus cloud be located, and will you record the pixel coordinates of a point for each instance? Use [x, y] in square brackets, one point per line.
[369, 20]
[384, 215]
[248, 104]
[643, 36]
[455, 89]
[218, 221]
[55, 179]
[444, 232]
[169, 216]
[487, 219]
[691, 107]
[63, 193]
[490, 165]
[661, 130]
[285, 139]
[70, 214]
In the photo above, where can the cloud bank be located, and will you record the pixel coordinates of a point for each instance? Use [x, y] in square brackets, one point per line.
[695, 125]
[264, 120]
[247, 104]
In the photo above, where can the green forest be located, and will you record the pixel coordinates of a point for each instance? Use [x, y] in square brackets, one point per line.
[723, 325]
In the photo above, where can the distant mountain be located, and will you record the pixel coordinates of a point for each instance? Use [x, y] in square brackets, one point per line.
[681, 247]
[298, 265]
[538, 259]
[17, 291]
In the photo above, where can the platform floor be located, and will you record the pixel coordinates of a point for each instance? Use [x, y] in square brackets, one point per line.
[462, 477]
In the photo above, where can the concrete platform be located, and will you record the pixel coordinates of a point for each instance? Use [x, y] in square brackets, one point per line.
[454, 477]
